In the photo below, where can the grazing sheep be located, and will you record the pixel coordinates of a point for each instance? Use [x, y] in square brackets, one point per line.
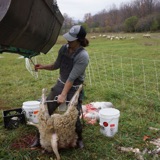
[122, 37]
[146, 36]
[112, 37]
[108, 37]
[93, 37]
[117, 38]
[58, 130]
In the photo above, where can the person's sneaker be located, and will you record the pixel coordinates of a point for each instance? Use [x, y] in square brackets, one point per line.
[80, 144]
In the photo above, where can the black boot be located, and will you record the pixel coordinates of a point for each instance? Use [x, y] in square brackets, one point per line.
[79, 133]
[36, 142]
[80, 144]
[79, 126]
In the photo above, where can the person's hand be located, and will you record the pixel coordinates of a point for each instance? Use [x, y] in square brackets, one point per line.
[38, 66]
[61, 98]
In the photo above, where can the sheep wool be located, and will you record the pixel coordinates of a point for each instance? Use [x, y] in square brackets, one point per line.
[58, 130]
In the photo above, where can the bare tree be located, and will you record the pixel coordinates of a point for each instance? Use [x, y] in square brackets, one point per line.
[88, 19]
[68, 22]
[114, 18]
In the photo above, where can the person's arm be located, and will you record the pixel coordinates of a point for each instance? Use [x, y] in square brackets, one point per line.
[78, 69]
[46, 67]
[62, 97]
[80, 64]
[54, 65]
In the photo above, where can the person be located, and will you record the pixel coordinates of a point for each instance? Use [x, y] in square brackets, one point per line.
[71, 61]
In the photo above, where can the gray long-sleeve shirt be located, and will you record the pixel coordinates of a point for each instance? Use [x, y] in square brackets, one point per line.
[80, 63]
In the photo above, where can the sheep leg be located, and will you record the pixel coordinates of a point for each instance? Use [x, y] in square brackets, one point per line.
[32, 124]
[54, 145]
[43, 105]
[75, 97]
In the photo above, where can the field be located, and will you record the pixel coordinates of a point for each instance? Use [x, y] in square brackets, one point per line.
[125, 72]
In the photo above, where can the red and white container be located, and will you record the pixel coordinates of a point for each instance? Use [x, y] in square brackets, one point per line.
[109, 118]
[31, 109]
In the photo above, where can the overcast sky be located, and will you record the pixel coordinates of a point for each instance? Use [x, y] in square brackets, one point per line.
[76, 9]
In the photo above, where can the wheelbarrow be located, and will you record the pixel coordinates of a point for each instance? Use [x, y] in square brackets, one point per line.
[29, 27]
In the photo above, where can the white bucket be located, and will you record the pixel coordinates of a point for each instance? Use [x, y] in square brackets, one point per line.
[31, 109]
[109, 118]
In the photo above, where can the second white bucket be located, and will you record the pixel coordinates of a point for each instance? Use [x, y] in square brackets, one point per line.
[31, 109]
[109, 118]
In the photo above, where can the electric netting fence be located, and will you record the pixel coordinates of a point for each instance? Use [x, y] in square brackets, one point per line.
[133, 77]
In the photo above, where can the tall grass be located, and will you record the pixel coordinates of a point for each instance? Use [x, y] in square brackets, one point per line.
[138, 112]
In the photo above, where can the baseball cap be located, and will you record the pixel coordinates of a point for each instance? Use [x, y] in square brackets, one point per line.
[76, 32]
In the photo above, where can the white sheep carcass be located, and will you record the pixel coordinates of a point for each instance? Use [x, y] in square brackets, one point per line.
[58, 130]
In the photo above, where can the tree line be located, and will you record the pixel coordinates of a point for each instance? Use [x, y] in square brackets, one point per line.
[135, 16]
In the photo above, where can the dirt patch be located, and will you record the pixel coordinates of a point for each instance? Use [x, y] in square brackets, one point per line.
[23, 142]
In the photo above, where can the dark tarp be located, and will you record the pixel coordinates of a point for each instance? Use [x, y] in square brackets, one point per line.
[28, 27]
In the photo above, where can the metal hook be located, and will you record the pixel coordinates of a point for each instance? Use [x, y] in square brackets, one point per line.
[55, 100]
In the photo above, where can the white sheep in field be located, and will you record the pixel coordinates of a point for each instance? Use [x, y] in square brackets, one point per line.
[108, 37]
[146, 36]
[58, 130]
[93, 37]
[112, 37]
[117, 38]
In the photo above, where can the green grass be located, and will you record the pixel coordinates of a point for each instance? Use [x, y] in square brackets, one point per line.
[124, 72]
